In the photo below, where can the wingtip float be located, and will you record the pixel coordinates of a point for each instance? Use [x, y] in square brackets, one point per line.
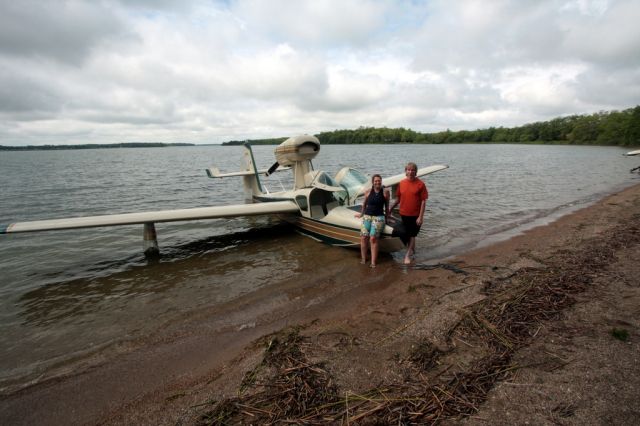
[319, 206]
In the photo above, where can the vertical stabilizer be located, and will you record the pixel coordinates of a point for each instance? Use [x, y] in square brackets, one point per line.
[252, 185]
[300, 169]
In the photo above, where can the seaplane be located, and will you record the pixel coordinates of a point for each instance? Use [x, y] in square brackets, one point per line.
[631, 154]
[318, 205]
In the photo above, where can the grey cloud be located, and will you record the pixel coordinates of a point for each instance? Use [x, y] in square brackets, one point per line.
[127, 117]
[122, 69]
[507, 33]
[604, 88]
[25, 93]
[62, 31]
[322, 102]
[464, 91]
[496, 35]
[317, 23]
[175, 5]
[612, 39]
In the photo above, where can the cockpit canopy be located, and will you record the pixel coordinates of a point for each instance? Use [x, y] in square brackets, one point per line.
[327, 192]
[320, 179]
[353, 181]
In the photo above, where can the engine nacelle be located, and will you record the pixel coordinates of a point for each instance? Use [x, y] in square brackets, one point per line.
[296, 149]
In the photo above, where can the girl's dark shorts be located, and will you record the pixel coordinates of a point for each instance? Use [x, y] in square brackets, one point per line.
[410, 225]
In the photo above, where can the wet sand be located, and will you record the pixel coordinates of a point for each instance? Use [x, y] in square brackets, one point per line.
[364, 324]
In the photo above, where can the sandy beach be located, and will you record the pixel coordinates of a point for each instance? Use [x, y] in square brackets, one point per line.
[542, 328]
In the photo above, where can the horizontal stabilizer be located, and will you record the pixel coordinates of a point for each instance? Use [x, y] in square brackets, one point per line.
[214, 172]
[152, 217]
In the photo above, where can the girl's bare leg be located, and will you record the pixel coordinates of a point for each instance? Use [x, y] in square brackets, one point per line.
[374, 251]
[364, 247]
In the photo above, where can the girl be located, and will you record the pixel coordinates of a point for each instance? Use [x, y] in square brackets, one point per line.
[375, 209]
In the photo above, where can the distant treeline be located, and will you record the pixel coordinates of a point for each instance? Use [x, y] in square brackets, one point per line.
[603, 128]
[92, 146]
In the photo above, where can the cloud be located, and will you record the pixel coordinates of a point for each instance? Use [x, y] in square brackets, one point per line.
[610, 37]
[65, 31]
[611, 89]
[210, 71]
[25, 93]
[318, 23]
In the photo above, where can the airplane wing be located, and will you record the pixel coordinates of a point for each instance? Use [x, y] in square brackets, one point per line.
[392, 182]
[214, 172]
[152, 217]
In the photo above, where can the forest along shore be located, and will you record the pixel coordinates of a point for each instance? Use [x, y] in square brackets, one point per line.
[542, 328]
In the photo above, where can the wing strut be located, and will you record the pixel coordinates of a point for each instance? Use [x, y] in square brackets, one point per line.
[150, 241]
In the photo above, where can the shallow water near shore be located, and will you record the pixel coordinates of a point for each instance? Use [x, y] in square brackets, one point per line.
[72, 294]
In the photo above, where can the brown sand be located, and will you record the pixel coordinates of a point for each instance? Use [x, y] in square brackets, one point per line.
[540, 329]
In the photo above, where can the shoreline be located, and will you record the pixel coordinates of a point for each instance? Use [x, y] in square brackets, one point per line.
[354, 322]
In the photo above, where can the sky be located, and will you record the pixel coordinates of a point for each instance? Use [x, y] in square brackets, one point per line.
[111, 71]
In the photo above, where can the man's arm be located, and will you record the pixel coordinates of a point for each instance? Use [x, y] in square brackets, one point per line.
[423, 204]
[420, 218]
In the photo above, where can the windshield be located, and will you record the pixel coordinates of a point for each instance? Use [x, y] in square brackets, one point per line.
[327, 184]
[352, 180]
[325, 179]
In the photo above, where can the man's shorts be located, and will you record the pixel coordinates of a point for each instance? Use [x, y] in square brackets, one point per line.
[410, 226]
[372, 226]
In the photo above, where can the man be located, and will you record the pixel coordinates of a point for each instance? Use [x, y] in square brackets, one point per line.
[412, 196]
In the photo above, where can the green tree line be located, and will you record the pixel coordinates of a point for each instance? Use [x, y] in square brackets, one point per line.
[602, 128]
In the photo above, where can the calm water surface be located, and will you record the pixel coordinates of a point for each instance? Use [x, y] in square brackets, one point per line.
[66, 295]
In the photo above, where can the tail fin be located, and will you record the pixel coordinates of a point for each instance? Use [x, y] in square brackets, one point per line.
[252, 185]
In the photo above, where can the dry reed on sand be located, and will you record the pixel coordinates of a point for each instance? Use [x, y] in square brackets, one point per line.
[287, 388]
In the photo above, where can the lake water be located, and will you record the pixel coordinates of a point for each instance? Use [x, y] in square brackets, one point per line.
[68, 295]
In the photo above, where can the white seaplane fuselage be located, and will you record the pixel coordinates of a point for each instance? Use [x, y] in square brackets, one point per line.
[320, 206]
[328, 221]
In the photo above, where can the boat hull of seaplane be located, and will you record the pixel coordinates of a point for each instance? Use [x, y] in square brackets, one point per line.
[342, 229]
[323, 218]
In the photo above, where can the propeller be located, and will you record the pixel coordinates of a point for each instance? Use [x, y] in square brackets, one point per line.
[272, 168]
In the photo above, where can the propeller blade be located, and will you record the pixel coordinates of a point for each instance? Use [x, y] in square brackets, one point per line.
[272, 168]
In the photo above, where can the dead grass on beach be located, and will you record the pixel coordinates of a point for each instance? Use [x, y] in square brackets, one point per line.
[290, 385]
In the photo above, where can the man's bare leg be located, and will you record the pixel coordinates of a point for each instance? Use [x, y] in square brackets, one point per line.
[411, 248]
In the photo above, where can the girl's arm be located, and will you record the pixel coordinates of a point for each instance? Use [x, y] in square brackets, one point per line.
[364, 204]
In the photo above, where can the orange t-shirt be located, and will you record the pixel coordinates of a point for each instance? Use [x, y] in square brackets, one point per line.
[411, 194]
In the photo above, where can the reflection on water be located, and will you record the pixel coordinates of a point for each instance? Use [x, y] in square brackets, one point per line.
[66, 319]
[222, 256]
[67, 294]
